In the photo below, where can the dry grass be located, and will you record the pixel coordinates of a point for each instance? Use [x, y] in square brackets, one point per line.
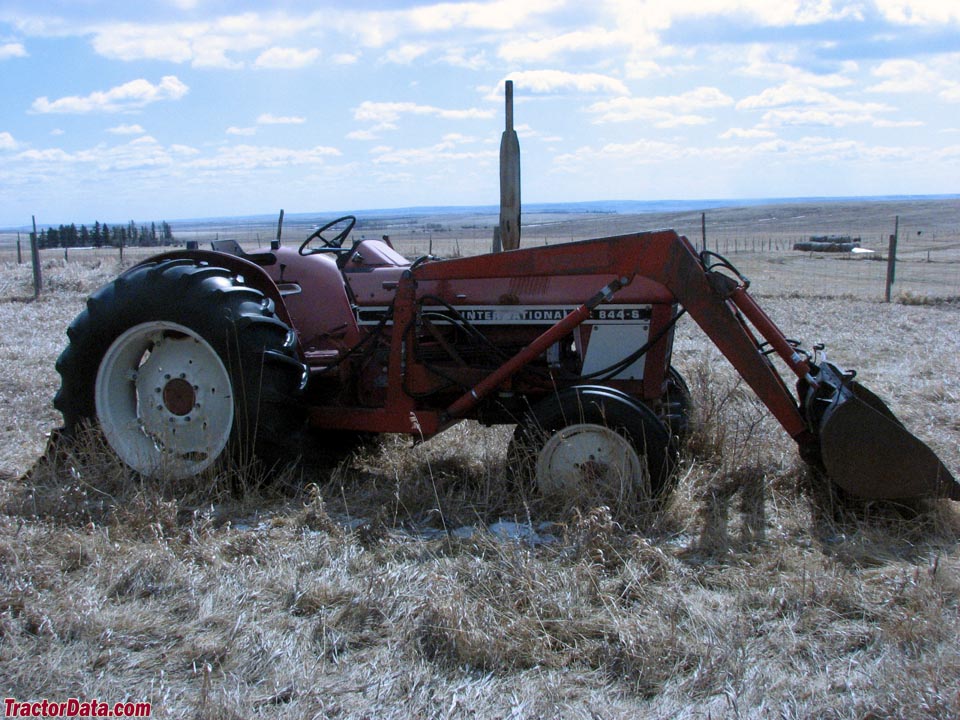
[356, 592]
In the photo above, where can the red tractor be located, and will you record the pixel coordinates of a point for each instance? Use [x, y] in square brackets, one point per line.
[194, 355]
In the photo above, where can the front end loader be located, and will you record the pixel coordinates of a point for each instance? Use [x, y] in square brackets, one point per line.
[193, 356]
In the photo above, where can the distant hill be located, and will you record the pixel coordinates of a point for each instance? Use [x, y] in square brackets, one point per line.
[600, 207]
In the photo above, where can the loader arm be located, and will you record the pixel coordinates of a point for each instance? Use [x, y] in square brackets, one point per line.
[666, 265]
[838, 425]
[720, 305]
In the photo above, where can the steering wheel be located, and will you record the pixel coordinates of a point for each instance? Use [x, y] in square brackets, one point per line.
[334, 243]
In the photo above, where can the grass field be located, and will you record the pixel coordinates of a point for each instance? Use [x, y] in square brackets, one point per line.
[380, 588]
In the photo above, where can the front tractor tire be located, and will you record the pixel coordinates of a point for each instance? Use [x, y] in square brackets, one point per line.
[593, 444]
[182, 365]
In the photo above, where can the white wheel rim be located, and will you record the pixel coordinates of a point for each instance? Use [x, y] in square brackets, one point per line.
[164, 400]
[582, 459]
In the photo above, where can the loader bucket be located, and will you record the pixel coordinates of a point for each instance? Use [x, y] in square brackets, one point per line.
[868, 452]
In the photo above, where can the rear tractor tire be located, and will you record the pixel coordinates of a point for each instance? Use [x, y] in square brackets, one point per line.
[593, 444]
[182, 365]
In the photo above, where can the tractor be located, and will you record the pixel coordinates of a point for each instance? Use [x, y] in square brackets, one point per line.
[195, 355]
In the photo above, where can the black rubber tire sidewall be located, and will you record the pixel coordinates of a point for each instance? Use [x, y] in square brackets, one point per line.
[603, 406]
[236, 320]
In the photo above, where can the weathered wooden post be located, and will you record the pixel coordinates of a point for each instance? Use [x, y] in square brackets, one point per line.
[892, 258]
[497, 244]
[703, 229]
[35, 258]
[509, 179]
[19, 253]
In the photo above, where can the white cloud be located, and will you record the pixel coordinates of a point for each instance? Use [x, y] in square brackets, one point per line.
[911, 76]
[385, 114]
[279, 58]
[405, 54]
[141, 153]
[950, 153]
[345, 58]
[362, 135]
[641, 151]
[804, 150]
[146, 153]
[271, 119]
[656, 14]
[817, 117]
[837, 149]
[920, 12]
[457, 57]
[496, 15]
[545, 82]
[898, 123]
[524, 131]
[131, 41]
[377, 29]
[662, 111]
[540, 49]
[129, 96]
[210, 43]
[746, 134]
[793, 104]
[12, 50]
[788, 94]
[643, 22]
[251, 157]
[902, 76]
[796, 104]
[639, 68]
[7, 142]
[444, 151]
[126, 130]
[777, 63]
[241, 131]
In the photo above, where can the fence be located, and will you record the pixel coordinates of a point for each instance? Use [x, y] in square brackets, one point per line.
[928, 261]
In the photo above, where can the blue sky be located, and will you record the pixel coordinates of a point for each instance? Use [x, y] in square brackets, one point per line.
[174, 109]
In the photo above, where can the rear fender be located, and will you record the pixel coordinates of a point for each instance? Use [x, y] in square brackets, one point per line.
[253, 275]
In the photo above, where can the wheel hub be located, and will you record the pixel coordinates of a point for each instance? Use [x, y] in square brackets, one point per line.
[588, 458]
[164, 399]
[179, 397]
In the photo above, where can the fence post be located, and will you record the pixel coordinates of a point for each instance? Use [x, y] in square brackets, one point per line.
[35, 257]
[19, 254]
[703, 229]
[892, 258]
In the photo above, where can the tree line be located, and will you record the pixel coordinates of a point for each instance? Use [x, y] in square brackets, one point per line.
[103, 235]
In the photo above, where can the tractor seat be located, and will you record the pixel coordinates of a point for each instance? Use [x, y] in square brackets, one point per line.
[232, 247]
